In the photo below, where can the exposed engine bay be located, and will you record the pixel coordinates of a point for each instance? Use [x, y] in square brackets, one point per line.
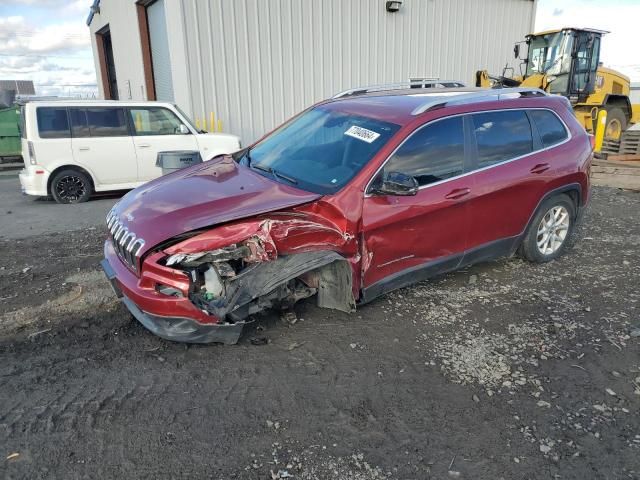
[245, 278]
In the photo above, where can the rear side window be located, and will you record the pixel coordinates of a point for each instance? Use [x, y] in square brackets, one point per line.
[433, 153]
[52, 122]
[107, 122]
[501, 136]
[552, 131]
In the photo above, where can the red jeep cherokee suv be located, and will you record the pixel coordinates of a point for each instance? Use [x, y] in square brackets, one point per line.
[354, 197]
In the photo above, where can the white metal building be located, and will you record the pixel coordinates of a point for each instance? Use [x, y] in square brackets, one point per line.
[253, 63]
[635, 92]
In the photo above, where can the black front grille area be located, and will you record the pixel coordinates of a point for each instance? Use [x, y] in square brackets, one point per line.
[125, 242]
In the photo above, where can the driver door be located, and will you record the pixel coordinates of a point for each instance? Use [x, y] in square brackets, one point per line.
[410, 238]
[156, 129]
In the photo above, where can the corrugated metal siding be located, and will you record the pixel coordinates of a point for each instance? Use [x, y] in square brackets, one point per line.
[257, 62]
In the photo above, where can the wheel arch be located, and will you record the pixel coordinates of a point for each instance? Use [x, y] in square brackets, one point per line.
[70, 167]
[572, 190]
[621, 101]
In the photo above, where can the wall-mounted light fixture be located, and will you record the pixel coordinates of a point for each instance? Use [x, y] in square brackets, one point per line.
[393, 5]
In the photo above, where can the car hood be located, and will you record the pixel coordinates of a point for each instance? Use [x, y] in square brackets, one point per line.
[204, 195]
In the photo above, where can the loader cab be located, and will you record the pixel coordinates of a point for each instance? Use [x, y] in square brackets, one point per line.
[568, 58]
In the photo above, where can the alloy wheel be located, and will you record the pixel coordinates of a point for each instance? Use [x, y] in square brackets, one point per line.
[553, 230]
[70, 188]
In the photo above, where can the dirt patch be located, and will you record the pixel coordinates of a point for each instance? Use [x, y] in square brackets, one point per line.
[88, 291]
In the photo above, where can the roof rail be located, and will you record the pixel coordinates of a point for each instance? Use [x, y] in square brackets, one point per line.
[421, 83]
[487, 95]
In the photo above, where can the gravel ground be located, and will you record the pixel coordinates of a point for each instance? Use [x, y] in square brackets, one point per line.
[504, 370]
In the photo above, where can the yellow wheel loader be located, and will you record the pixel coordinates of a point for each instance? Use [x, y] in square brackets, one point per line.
[567, 62]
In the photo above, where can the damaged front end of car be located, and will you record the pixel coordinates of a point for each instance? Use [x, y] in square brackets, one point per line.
[241, 269]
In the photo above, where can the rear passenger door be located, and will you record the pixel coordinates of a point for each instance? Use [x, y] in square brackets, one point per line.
[102, 144]
[157, 129]
[511, 174]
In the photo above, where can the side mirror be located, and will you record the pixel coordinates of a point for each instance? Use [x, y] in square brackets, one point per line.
[516, 51]
[182, 129]
[397, 183]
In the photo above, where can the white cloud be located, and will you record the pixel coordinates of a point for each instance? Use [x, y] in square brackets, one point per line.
[56, 56]
[19, 37]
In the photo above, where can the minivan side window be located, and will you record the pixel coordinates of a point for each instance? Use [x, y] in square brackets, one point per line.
[154, 121]
[551, 129]
[433, 153]
[52, 122]
[501, 136]
[107, 122]
[78, 118]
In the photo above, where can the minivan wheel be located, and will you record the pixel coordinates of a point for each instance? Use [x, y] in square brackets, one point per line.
[549, 232]
[71, 186]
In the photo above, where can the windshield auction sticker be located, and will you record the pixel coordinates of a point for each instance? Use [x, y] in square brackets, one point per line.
[362, 134]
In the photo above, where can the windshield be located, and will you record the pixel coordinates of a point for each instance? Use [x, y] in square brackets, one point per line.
[320, 150]
[186, 117]
[550, 54]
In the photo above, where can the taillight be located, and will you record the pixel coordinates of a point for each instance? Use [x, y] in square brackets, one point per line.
[592, 141]
[32, 153]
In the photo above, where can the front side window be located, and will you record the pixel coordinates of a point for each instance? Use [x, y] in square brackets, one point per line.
[53, 122]
[550, 128]
[154, 121]
[106, 122]
[320, 150]
[501, 136]
[433, 153]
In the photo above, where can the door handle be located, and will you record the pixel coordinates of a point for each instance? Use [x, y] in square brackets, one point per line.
[457, 193]
[143, 145]
[540, 168]
[83, 149]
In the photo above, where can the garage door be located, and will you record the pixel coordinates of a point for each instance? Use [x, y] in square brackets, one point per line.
[160, 51]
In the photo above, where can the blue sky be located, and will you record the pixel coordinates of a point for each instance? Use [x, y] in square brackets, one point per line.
[48, 40]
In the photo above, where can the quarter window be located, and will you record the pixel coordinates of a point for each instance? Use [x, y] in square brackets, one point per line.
[52, 122]
[433, 153]
[549, 126]
[154, 121]
[501, 136]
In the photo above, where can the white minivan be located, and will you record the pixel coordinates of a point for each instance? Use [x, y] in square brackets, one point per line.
[74, 148]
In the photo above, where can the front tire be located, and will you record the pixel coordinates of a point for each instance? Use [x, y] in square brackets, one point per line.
[549, 232]
[71, 186]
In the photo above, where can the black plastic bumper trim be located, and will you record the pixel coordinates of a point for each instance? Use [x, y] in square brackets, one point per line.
[176, 329]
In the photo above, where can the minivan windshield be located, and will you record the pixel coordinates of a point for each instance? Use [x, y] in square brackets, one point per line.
[320, 150]
[186, 117]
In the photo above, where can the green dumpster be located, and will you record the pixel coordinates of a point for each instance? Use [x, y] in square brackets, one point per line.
[10, 133]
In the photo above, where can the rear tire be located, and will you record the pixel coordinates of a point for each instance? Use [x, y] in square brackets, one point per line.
[549, 231]
[71, 186]
[616, 123]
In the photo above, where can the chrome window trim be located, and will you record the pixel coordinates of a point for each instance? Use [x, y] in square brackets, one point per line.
[524, 109]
